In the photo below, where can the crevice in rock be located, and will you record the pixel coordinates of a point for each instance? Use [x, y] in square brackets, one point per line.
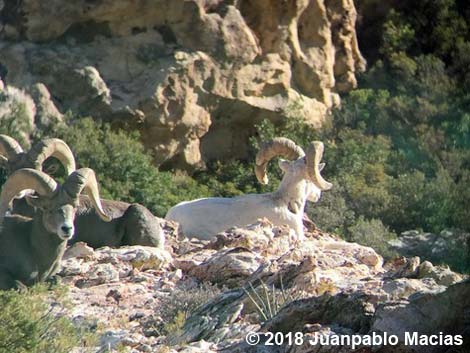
[86, 32]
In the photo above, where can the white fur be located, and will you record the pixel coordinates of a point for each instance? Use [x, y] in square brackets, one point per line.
[204, 218]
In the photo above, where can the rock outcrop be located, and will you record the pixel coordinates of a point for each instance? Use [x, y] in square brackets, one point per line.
[322, 286]
[193, 76]
[453, 246]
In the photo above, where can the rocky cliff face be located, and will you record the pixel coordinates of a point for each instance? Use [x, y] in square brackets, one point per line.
[193, 76]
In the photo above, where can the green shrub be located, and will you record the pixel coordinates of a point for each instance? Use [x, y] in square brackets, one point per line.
[268, 301]
[332, 213]
[228, 179]
[124, 170]
[15, 119]
[175, 309]
[372, 233]
[16, 115]
[461, 197]
[28, 325]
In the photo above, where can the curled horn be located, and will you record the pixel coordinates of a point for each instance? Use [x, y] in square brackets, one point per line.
[9, 147]
[84, 179]
[52, 148]
[3, 161]
[24, 179]
[313, 158]
[279, 146]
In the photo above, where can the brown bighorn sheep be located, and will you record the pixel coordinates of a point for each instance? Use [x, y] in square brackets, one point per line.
[204, 218]
[12, 156]
[131, 224]
[32, 248]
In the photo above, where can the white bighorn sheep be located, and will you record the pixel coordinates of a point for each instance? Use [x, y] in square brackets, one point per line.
[131, 224]
[204, 218]
[32, 248]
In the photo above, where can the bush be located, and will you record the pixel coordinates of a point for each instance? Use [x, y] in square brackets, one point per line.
[269, 301]
[180, 305]
[27, 324]
[372, 233]
[124, 170]
[16, 115]
[332, 213]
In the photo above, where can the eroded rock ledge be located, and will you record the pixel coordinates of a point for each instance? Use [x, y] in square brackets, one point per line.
[192, 76]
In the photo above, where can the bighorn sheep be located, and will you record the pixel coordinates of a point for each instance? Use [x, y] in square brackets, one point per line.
[32, 248]
[204, 218]
[12, 156]
[131, 224]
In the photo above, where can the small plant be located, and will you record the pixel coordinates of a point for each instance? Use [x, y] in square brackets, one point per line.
[372, 233]
[175, 326]
[175, 309]
[269, 301]
[29, 324]
[16, 115]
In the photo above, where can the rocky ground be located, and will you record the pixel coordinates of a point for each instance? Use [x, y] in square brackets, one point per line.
[139, 297]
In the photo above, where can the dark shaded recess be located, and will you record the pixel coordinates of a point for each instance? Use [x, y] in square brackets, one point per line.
[371, 16]
[138, 30]
[218, 6]
[3, 71]
[86, 32]
[463, 8]
[167, 34]
[168, 165]
[13, 14]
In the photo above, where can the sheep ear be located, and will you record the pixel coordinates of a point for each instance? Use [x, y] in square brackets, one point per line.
[321, 166]
[284, 165]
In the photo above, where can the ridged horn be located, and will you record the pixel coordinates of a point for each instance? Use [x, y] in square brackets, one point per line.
[9, 147]
[84, 179]
[313, 158]
[3, 161]
[52, 148]
[24, 179]
[279, 146]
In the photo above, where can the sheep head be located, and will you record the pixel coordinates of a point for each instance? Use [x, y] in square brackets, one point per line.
[299, 166]
[12, 156]
[57, 203]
